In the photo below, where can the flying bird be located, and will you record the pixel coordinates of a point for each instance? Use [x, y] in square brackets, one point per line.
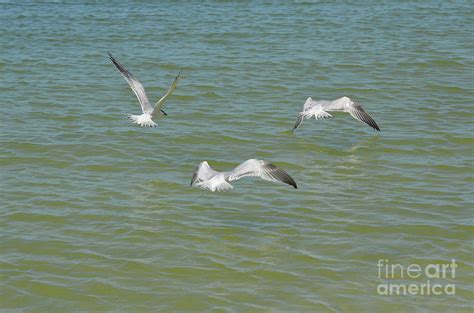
[149, 112]
[207, 178]
[320, 109]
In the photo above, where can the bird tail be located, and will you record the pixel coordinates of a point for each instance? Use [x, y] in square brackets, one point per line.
[322, 114]
[143, 120]
[215, 184]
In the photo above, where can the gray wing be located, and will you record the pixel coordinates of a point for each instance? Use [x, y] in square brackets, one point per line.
[159, 105]
[308, 105]
[299, 121]
[357, 112]
[136, 86]
[202, 173]
[332, 105]
[263, 169]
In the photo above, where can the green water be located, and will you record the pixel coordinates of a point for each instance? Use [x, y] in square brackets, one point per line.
[97, 213]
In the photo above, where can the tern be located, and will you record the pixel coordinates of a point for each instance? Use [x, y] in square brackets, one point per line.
[320, 109]
[207, 178]
[149, 112]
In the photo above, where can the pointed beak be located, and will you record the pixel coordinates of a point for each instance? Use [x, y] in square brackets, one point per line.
[163, 112]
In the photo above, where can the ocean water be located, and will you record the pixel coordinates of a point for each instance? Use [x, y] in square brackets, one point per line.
[97, 214]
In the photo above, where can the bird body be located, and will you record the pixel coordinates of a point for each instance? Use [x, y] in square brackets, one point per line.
[320, 109]
[149, 112]
[207, 178]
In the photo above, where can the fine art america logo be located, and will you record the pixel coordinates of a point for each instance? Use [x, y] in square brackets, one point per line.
[423, 280]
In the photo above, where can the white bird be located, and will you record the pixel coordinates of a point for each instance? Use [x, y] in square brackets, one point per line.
[207, 178]
[320, 109]
[145, 119]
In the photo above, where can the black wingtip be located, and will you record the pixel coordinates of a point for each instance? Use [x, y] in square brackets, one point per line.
[114, 61]
[193, 178]
[287, 179]
[293, 183]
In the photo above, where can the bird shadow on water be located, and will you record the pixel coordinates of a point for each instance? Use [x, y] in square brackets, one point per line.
[362, 151]
[287, 131]
[367, 143]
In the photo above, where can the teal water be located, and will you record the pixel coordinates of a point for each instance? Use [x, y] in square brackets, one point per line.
[97, 213]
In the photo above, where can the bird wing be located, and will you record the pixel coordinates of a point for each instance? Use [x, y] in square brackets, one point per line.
[159, 105]
[309, 104]
[357, 112]
[263, 169]
[206, 178]
[136, 86]
[299, 121]
[203, 172]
